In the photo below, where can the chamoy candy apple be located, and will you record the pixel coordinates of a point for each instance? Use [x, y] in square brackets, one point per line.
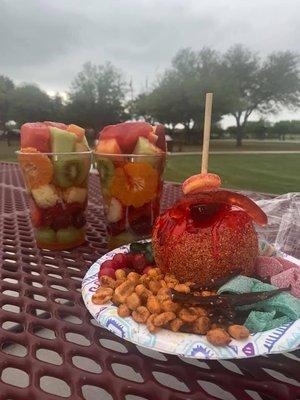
[130, 158]
[56, 181]
[206, 236]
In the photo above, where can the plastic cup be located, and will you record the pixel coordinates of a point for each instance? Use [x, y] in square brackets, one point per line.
[131, 187]
[57, 186]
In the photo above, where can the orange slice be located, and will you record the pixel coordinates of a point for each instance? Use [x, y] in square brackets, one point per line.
[134, 184]
[36, 167]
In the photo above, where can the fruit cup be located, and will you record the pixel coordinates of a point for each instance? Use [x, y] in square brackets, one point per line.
[57, 185]
[131, 187]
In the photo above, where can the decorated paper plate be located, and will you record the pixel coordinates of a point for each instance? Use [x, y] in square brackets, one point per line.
[282, 339]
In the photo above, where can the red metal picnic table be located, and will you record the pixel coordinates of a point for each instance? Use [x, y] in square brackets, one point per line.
[51, 348]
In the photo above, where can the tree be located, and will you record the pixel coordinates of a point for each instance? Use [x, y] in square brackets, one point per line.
[282, 128]
[29, 104]
[178, 96]
[6, 89]
[97, 96]
[252, 85]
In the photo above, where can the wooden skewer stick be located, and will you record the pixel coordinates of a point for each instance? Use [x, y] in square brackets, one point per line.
[206, 132]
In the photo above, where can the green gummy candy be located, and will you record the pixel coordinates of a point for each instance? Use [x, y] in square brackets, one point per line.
[258, 320]
[239, 284]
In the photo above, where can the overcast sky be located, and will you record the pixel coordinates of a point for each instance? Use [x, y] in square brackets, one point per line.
[47, 41]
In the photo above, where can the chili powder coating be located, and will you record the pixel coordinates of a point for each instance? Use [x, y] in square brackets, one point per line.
[200, 242]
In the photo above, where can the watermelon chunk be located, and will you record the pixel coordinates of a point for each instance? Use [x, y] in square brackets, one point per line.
[36, 135]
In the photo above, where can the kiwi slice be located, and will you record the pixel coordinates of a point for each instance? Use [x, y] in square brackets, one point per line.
[68, 235]
[45, 235]
[70, 170]
[106, 171]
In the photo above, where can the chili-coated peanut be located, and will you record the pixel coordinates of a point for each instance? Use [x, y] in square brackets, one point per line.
[154, 286]
[188, 314]
[142, 291]
[176, 324]
[116, 299]
[102, 296]
[120, 274]
[133, 301]
[134, 276]
[201, 325]
[182, 288]
[154, 272]
[107, 281]
[153, 305]
[171, 281]
[164, 318]
[218, 337]
[151, 327]
[140, 315]
[163, 294]
[238, 332]
[169, 305]
[119, 282]
[123, 311]
[206, 293]
[163, 283]
[124, 290]
[201, 312]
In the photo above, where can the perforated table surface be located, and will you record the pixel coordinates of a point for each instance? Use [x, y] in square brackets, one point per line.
[52, 349]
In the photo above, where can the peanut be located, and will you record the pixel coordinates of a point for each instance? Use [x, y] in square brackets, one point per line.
[141, 314]
[188, 314]
[164, 318]
[120, 274]
[133, 301]
[102, 296]
[182, 288]
[134, 277]
[201, 325]
[107, 281]
[123, 311]
[218, 337]
[238, 332]
[176, 324]
[151, 327]
[153, 305]
[124, 290]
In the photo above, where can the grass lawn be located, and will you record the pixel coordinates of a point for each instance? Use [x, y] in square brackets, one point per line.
[269, 173]
[248, 145]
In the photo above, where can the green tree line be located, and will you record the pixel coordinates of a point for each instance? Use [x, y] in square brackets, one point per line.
[242, 83]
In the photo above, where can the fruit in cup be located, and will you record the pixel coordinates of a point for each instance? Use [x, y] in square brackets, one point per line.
[74, 195]
[45, 196]
[36, 135]
[207, 235]
[37, 167]
[127, 135]
[68, 235]
[45, 235]
[115, 211]
[57, 183]
[108, 146]
[134, 184]
[106, 171]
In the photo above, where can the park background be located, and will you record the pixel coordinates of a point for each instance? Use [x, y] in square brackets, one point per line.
[253, 146]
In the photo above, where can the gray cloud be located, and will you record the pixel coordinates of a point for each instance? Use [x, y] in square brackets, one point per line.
[47, 41]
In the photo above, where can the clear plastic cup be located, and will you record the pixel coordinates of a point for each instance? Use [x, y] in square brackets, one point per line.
[131, 187]
[57, 186]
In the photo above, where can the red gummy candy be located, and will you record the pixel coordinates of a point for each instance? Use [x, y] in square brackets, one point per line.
[284, 279]
[227, 197]
[107, 271]
[267, 266]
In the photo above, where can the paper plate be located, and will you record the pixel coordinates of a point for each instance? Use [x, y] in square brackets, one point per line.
[279, 340]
